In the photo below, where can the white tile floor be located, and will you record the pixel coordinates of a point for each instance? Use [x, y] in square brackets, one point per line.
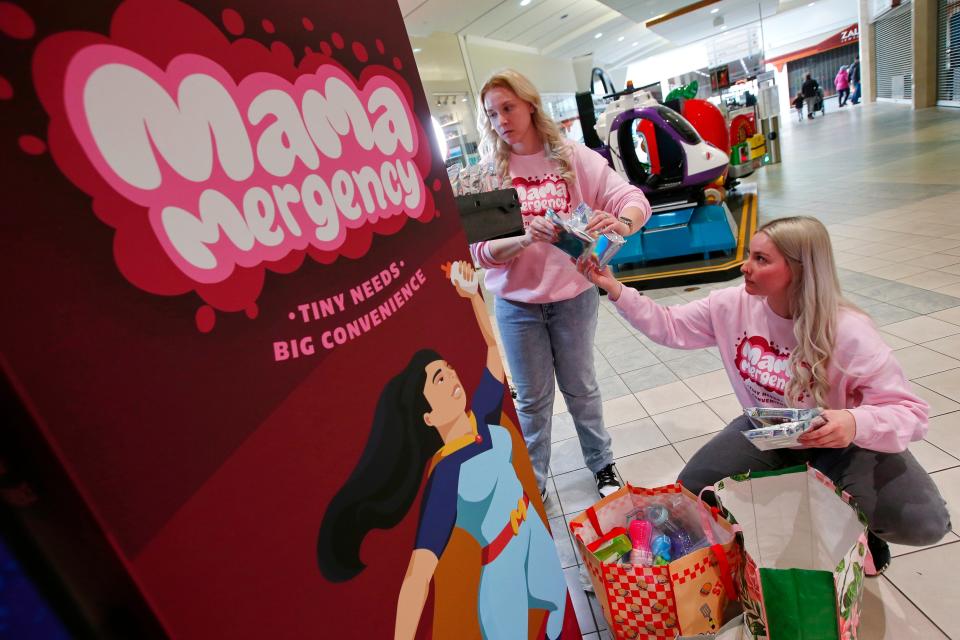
[889, 196]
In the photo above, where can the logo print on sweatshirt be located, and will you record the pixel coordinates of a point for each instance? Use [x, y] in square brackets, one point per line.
[758, 361]
[538, 195]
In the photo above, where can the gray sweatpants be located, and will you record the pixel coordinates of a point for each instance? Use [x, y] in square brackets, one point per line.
[900, 501]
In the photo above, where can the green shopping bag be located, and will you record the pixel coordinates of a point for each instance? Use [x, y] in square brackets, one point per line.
[805, 543]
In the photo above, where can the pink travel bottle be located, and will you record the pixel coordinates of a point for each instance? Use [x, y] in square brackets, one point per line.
[640, 532]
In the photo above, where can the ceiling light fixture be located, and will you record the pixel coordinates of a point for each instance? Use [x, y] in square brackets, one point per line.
[598, 36]
[634, 44]
[524, 3]
[417, 50]
[811, 4]
[620, 39]
[715, 10]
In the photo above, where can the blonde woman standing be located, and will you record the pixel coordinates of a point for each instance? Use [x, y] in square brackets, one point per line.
[788, 338]
[547, 311]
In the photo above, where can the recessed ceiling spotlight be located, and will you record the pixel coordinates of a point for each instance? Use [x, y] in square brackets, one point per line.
[598, 36]
[620, 39]
[524, 3]
[715, 10]
[417, 50]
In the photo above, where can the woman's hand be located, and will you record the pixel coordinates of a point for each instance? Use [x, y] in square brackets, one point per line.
[465, 284]
[602, 221]
[541, 230]
[603, 278]
[832, 429]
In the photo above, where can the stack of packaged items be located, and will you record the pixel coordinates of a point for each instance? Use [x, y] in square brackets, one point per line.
[575, 241]
[477, 178]
[664, 530]
[661, 563]
[776, 428]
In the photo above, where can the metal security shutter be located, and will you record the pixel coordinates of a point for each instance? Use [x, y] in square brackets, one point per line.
[948, 52]
[894, 49]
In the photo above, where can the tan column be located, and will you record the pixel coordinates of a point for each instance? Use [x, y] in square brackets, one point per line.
[868, 57]
[924, 24]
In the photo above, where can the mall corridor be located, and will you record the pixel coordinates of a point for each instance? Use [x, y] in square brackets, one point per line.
[886, 181]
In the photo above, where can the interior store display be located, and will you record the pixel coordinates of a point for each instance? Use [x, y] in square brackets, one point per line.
[227, 286]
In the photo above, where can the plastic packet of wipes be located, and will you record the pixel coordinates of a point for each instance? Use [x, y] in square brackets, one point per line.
[777, 428]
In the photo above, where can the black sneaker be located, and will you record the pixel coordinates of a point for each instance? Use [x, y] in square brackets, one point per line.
[607, 481]
[879, 553]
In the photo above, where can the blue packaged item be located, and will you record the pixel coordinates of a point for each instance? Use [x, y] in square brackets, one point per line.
[660, 547]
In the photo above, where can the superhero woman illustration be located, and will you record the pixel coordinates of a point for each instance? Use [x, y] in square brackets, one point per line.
[421, 422]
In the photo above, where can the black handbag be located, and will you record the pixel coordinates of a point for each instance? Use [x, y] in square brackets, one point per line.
[490, 215]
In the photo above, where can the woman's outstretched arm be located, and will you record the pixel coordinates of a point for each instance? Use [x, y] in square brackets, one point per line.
[413, 593]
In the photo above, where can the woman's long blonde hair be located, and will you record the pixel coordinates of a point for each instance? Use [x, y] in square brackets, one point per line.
[495, 149]
[815, 301]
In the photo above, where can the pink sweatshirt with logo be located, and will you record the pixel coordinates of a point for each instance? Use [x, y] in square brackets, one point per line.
[541, 273]
[755, 343]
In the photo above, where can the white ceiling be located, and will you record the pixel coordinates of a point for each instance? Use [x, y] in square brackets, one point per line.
[569, 28]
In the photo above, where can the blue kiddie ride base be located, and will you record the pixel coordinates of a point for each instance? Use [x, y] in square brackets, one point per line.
[695, 231]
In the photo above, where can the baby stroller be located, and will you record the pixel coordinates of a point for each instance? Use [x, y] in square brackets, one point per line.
[818, 104]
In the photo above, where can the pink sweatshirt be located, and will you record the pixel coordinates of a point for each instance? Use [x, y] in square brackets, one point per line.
[541, 273]
[755, 343]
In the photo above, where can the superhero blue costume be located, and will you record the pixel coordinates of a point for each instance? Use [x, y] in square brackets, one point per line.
[473, 485]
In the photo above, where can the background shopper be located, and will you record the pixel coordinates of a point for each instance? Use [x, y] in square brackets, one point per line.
[842, 84]
[809, 91]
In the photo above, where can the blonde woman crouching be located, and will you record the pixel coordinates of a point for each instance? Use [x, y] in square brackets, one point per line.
[787, 337]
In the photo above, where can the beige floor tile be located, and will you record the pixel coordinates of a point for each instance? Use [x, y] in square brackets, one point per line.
[946, 383]
[727, 407]
[922, 329]
[928, 579]
[885, 614]
[622, 410]
[934, 260]
[903, 254]
[948, 481]
[933, 280]
[687, 448]
[667, 397]
[711, 385]
[688, 422]
[944, 432]
[862, 264]
[950, 290]
[932, 458]
[653, 468]
[918, 361]
[948, 315]
[949, 345]
[559, 404]
[895, 342]
[938, 404]
[639, 435]
[897, 270]
[897, 550]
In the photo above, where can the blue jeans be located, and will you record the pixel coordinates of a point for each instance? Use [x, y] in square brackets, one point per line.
[855, 98]
[540, 340]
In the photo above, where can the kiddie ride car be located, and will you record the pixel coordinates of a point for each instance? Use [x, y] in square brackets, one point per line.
[683, 176]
